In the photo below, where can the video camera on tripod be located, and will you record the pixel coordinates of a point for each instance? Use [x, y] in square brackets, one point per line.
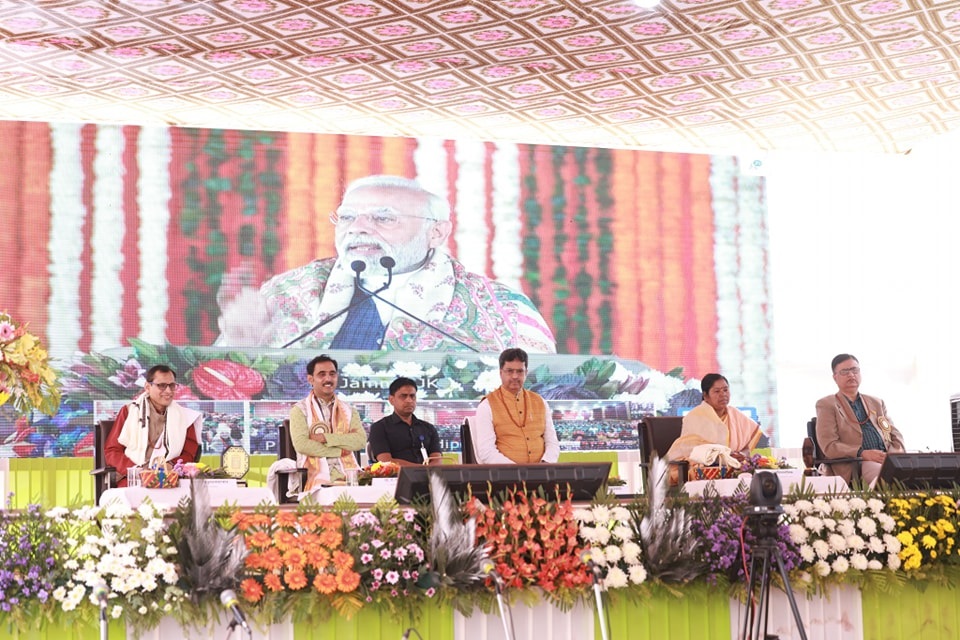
[763, 514]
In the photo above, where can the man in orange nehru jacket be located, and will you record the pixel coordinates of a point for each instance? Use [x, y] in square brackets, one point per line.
[153, 426]
[513, 425]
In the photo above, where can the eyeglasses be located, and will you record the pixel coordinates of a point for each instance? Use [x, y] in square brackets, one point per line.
[381, 217]
[852, 371]
[165, 386]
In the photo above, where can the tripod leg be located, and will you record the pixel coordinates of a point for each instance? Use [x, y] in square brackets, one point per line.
[763, 604]
[789, 591]
[749, 609]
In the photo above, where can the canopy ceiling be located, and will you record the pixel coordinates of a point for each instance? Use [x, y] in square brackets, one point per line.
[690, 75]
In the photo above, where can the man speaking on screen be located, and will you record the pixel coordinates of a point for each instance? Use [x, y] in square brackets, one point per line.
[391, 286]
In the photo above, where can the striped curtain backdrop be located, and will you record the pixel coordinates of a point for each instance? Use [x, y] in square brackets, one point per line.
[117, 232]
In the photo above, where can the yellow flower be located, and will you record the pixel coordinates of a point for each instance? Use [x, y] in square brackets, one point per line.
[905, 538]
[928, 541]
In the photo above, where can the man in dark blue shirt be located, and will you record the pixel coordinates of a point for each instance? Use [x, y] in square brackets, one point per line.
[402, 437]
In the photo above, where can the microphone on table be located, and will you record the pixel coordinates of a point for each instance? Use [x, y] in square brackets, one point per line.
[488, 568]
[358, 267]
[100, 593]
[229, 600]
[586, 557]
[389, 263]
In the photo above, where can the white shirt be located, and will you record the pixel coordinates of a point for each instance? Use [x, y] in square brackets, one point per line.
[485, 438]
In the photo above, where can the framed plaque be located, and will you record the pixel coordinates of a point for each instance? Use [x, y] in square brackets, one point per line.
[235, 461]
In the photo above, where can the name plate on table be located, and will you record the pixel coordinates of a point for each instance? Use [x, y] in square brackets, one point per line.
[212, 482]
[385, 483]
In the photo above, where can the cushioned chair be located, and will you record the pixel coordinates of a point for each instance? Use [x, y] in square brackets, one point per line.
[466, 444]
[104, 477]
[657, 435]
[285, 450]
[820, 459]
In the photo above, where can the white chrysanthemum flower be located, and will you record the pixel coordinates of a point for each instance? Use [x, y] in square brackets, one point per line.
[892, 543]
[612, 553]
[813, 524]
[876, 505]
[887, 523]
[856, 543]
[631, 552]
[623, 533]
[620, 513]
[59, 593]
[858, 561]
[867, 526]
[117, 611]
[807, 552]
[803, 506]
[857, 504]
[638, 574]
[840, 565]
[893, 561]
[615, 578]
[602, 536]
[876, 545]
[588, 534]
[790, 511]
[874, 565]
[601, 514]
[822, 506]
[597, 556]
[798, 534]
[822, 568]
[846, 527]
[821, 548]
[837, 542]
[830, 524]
[57, 513]
[583, 515]
[840, 505]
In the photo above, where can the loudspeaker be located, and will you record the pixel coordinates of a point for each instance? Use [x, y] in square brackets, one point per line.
[922, 470]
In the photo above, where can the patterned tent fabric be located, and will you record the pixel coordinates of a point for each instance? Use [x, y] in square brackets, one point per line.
[841, 75]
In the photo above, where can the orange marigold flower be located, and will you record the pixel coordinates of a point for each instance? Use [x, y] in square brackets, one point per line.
[259, 540]
[286, 519]
[309, 540]
[347, 581]
[253, 561]
[330, 520]
[325, 583]
[295, 559]
[261, 520]
[240, 520]
[295, 579]
[271, 559]
[318, 557]
[331, 539]
[251, 589]
[284, 540]
[309, 521]
[272, 581]
[342, 560]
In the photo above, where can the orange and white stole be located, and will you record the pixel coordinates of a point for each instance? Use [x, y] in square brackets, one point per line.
[337, 420]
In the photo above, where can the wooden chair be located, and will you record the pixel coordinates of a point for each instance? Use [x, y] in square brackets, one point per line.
[285, 450]
[820, 459]
[657, 434]
[104, 477]
[467, 453]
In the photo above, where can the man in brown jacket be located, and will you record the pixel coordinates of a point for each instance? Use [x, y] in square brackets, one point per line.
[851, 424]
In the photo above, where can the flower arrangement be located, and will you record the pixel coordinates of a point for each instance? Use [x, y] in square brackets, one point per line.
[387, 541]
[533, 542]
[837, 534]
[293, 552]
[382, 470]
[129, 551]
[927, 526]
[759, 462]
[609, 533]
[28, 545]
[26, 377]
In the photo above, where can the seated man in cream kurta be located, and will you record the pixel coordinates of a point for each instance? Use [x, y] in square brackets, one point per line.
[322, 426]
[511, 423]
[153, 426]
[713, 422]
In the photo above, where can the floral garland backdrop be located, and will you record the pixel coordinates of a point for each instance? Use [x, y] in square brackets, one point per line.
[314, 562]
